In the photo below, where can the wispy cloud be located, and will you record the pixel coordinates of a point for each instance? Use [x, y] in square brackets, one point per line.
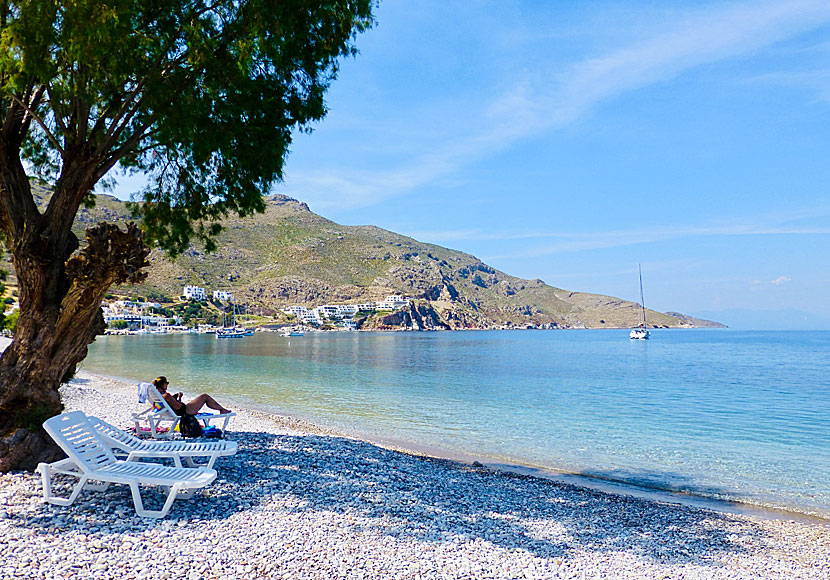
[761, 285]
[816, 81]
[777, 223]
[699, 38]
[541, 103]
[619, 238]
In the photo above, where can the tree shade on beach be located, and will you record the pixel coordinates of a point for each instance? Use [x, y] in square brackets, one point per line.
[202, 97]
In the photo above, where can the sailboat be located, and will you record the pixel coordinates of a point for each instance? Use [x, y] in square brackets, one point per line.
[232, 331]
[640, 333]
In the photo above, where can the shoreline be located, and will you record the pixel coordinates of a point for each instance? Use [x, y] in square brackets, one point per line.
[299, 501]
[612, 486]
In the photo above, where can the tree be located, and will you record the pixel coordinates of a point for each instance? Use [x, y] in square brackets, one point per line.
[202, 97]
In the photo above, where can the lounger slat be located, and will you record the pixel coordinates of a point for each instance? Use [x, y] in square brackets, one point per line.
[176, 450]
[91, 459]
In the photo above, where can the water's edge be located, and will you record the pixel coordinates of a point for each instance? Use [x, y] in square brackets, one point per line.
[605, 485]
[729, 418]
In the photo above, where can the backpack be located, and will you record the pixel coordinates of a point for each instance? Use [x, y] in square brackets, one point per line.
[212, 432]
[189, 426]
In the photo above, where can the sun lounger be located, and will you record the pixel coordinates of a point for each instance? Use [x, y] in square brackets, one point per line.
[90, 459]
[176, 450]
[160, 412]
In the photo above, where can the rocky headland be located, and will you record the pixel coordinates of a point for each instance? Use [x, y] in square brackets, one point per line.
[289, 255]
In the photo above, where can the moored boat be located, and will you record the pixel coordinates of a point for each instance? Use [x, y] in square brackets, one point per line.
[640, 333]
[232, 332]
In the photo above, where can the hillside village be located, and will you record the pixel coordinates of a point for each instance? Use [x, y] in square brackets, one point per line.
[138, 316]
[288, 258]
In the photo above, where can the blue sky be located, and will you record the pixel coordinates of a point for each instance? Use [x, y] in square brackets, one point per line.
[570, 141]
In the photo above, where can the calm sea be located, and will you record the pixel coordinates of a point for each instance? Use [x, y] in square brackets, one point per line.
[724, 414]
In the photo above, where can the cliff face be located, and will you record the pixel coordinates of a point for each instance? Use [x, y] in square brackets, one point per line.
[289, 255]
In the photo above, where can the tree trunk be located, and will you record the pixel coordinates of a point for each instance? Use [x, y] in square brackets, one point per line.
[60, 315]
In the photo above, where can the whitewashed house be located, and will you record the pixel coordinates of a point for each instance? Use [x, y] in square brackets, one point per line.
[194, 293]
[392, 302]
[326, 312]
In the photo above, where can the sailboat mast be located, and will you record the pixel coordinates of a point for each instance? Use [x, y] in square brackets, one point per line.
[642, 300]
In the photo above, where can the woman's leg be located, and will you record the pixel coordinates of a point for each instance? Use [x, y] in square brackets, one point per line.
[196, 404]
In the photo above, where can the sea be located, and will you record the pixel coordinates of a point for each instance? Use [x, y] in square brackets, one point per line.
[726, 415]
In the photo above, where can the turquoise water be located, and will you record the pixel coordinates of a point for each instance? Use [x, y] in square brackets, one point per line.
[732, 415]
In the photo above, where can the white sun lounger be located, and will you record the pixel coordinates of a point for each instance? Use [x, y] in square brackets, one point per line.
[176, 450]
[90, 459]
[160, 412]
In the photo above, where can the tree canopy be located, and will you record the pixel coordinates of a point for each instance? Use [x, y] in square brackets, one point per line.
[202, 97]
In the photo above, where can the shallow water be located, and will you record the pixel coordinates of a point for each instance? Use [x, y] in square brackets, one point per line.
[733, 415]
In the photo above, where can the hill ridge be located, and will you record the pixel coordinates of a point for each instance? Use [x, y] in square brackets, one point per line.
[289, 255]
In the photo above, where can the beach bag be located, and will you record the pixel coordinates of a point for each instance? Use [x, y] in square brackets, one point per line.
[189, 426]
[212, 432]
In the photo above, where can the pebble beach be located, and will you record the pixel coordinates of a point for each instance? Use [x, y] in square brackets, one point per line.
[298, 501]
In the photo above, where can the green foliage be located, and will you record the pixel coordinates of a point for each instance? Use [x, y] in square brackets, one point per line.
[191, 312]
[9, 300]
[119, 324]
[33, 419]
[159, 297]
[203, 97]
[163, 311]
[10, 321]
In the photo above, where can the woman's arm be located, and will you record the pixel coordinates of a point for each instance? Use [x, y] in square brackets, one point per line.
[174, 402]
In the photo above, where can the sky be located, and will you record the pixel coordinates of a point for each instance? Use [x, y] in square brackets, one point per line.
[572, 141]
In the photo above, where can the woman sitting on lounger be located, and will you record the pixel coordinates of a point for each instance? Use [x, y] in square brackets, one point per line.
[191, 408]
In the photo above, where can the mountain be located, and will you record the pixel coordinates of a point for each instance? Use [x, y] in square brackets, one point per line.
[289, 255]
[784, 319]
[696, 322]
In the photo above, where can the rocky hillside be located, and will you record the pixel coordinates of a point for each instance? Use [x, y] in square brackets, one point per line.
[289, 255]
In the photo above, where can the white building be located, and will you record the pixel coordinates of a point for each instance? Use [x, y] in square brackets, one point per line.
[222, 295]
[127, 305]
[346, 310]
[326, 311]
[308, 318]
[392, 302]
[195, 293]
[133, 319]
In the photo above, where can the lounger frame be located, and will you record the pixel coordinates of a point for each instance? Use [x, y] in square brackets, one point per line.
[136, 448]
[93, 463]
[156, 417]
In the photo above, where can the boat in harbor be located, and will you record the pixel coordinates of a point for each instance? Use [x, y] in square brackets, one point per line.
[641, 332]
[234, 331]
[292, 331]
[231, 332]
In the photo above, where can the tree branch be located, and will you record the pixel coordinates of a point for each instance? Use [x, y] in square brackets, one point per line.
[130, 106]
[126, 148]
[58, 114]
[35, 102]
[49, 135]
